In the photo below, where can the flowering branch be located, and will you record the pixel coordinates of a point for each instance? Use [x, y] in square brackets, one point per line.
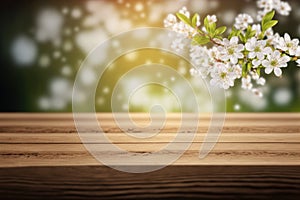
[243, 53]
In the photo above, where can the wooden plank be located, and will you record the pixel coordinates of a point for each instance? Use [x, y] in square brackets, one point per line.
[113, 129]
[151, 147]
[234, 123]
[222, 154]
[72, 138]
[173, 182]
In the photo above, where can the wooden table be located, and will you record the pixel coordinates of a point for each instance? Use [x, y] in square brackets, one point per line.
[257, 156]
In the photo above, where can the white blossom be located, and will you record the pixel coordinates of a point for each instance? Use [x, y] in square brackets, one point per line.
[276, 3]
[254, 75]
[261, 14]
[182, 29]
[261, 81]
[247, 83]
[257, 48]
[185, 12]
[170, 21]
[284, 8]
[273, 40]
[236, 71]
[242, 21]
[212, 18]
[274, 62]
[200, 58]
[257, 29]
[231, 50]
[269, 32]
[214, 54]
[178, 45]
[223, 75]
[288, 45]
[265, 4]
[222, 61]
[281, 7]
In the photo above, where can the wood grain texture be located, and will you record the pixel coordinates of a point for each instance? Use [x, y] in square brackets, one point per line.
[51, 139]
[173, 182]
[257, 157]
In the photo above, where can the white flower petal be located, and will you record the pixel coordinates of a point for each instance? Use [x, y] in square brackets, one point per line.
[277, 71]
[233, 60]
[263, 43]
[239, 55]
[240, 47]
[252, 55]
[276, 54]
[295, 42]
[266, 63]
[256, 63]
[249, 46]
[298, 62]
[267, 50]
[260, 55]
[268, 70]
[261, 81]
[287, 37]
[234, 40]
[285, 59]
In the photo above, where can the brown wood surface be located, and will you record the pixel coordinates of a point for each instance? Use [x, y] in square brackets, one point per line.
[257, 156]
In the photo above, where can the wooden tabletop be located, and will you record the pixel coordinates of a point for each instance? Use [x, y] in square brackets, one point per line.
[257, 156]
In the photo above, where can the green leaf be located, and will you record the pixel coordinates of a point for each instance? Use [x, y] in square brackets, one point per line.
[261, 35]
[249, 33]
[258, 71]
[253, 33]
[200, 32]
[204, 41]
[184, 18]
[201, 40]
[269, 24]
[249, 66]
[243, 38]
[221, 30]
[212, 28]
[234, 32]
[206, 22]
[218, 37]
[268, 17]
[195, 19]
[267, 21]
[249, 29]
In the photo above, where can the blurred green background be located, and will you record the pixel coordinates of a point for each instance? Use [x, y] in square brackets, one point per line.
[43, 44]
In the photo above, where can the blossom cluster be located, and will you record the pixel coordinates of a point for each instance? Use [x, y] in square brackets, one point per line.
[281, 7]
[250, 50]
